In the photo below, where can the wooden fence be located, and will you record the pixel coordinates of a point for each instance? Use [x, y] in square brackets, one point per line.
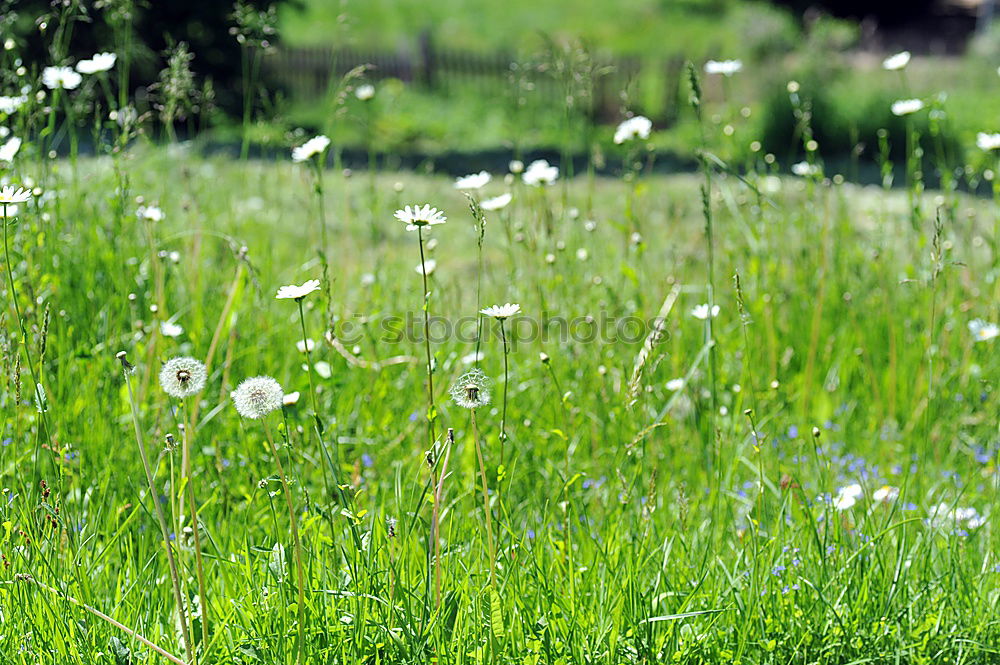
[653, 84]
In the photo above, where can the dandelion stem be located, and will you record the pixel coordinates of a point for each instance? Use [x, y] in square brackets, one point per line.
[195, 527]
[154, 496]
[299, 569]
[436, 515]
[486, 497]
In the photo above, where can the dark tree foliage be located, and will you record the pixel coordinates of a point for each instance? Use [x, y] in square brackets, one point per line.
[156, 26]
[886, 12]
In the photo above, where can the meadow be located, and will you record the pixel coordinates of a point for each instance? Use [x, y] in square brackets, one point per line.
[278, 411]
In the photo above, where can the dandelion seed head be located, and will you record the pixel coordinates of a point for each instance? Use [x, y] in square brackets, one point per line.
[256, 397]
[471, 390]
[182, 377]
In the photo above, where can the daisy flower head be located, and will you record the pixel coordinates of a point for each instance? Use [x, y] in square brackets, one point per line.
[182, 377]
[896, 61]
[256, 397]
[9, 149]
[10, 104]
[416, 216]
[471, 390]
[150, 213]
[314, 146]
[497, 202]
[515, 166]
[8, 194]
[906, 106]
[60, 77]
[297, 292]
[540, 172]
[724, 67]
[804, 169]
[171, 329]
[473, 181]
[501, 312]
[988, 142]
[426, 268]
[983, 331]
[99, 62]
[701, 311]
[365, 92]
[847, 497]
[291, 399]
[886, 494]
[636, 127]
[673, 385]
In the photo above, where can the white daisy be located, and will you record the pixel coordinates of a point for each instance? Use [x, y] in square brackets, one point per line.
[9, 149]
[497, 202]
[365, 92]
[886, 494]
[171, 329]
[150, 213]
[674, 385]
[983, 331]
[323, 369]
[906, 106]
[417, 216]
[60, 77]
[427, 267]
[306, 345]
[501, 312]
[470, 358]
[724, 67]
[291, 399]
[8, 194]
[897, 61]
[183, 377]
[99, 62]
[293, 292]
[10, 104]
[255, 398]
[986, 141]
[804, 169]
[516, 166]
[473, 181]
[701, 311]
[636, 127]
[847, 496]
[540, 172]
[310, 148]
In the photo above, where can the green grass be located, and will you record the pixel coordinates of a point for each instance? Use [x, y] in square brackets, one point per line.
[634, 523]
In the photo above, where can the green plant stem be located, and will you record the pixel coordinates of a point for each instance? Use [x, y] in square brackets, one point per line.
[164, 531]
[486, 499]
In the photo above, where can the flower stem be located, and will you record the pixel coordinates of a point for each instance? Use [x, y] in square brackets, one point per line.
[427, 342]
[154, 496]
[506, 381]
[299, 569]
[195, 527]
[486, 498]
